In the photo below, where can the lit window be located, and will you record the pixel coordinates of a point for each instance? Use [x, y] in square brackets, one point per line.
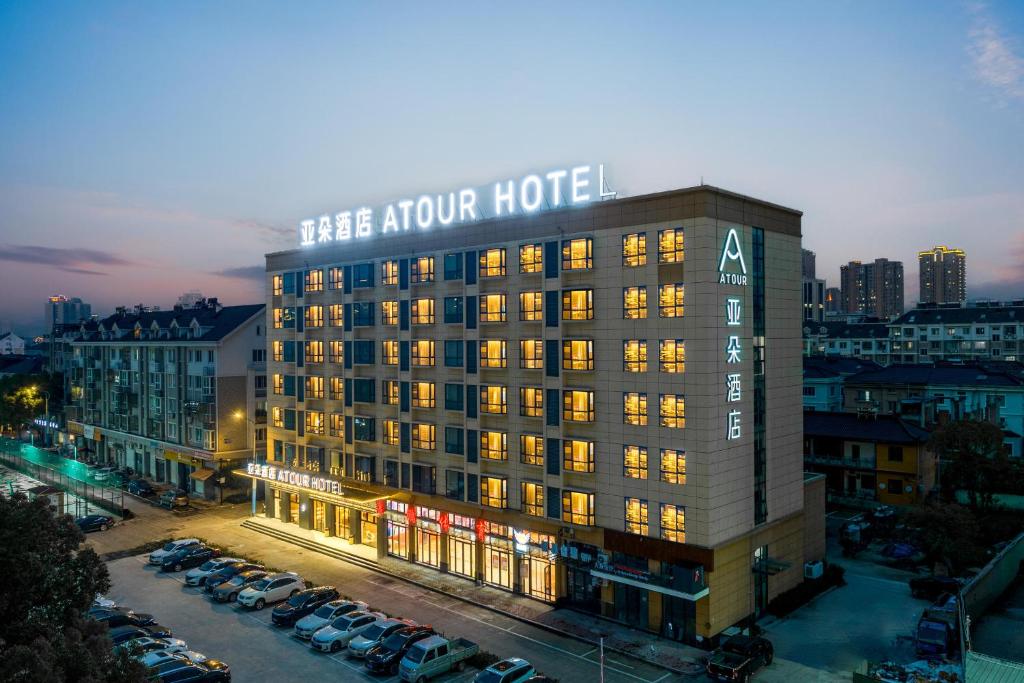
[277, 351]
[532, 498]
[670, 301]
[314, 422]
[390, 392]
[335, 277]
[634, 408]
[634, 249]
[634, 462]
[391, 432]
[424, 436]
[531, 257]
[421, 269]
[672, 356]
[337, 389]
[278, 318]
[314, 316]
[423, 311]
[278, 384]
[423, 395]
[531, 305]
[314, 351]
[278, 284]
[531, 401]
[634, 355]
[578, 507]
[673, 523]
[314, 280]
[494, 445]
[670, 245]
[577, 304]
[636, 516]
[634, 303]
[492, 399]
[337, 425]
[389, 312]
[578, 354]
[492, 263]
[335, 351]
[494, 492]
[389, 351]
[492, 308]
[577, 455]
[673, 411]
[389, 273]
[314, 387]
[277, 416]
[578, 254]
[531, 354]
[336, 314]
[423, 352]
[673, 466]
[578, 405]
[493, 353]
[531, 449]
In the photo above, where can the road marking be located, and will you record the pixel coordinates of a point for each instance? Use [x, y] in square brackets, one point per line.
[589, 653]
[606, 660]
[661, 679]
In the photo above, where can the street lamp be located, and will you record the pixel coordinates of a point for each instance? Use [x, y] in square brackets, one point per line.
[239, 415]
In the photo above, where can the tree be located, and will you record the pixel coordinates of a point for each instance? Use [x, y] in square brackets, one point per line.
[49, 585]
[948, 534]
[972, 458]
[20, 401]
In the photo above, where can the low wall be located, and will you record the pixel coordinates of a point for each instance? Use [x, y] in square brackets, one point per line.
[993, 580]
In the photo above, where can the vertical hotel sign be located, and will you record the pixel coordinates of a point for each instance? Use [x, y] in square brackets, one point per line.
[732, 270]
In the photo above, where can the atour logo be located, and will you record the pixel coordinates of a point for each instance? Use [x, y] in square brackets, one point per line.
[732, 254]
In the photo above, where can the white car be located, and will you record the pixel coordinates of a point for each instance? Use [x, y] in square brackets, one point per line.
[157, 556]
[273, 588]
[154, 659]
[325, 614]
[340, 632]
[143, 646]
[197, 576]
[103, 601]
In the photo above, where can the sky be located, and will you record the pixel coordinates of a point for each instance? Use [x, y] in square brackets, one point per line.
[148, 149]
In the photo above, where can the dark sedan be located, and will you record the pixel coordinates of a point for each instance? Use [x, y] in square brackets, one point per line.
[302, 603]
[224, 573]
[228, 591]
[141, 487]
[384, 658]
[187, 557]
[94, 522]
[178, 672]
[122, 634]
[121, 617]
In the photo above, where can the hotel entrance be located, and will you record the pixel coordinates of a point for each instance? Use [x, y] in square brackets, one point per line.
[398, 539]
[368, 529]
[320, 516]
[428, 547]
[293, 508]
[537, 577]
[342, 526]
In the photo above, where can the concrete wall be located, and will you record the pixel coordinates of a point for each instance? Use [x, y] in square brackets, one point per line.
[814, 518]
[985, 588]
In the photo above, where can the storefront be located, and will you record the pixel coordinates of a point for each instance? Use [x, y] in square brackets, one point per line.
[462, 546]
[498, 554]
[398, 529]
[428, 536]
[538, 564]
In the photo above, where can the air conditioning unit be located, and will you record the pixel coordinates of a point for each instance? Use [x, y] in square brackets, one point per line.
[814, 570]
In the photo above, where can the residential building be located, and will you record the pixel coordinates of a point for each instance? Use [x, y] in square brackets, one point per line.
[61, 310]
[875, 289]
[833, 301]
[533, 402]
[179, 395]
[980, 331]
[866, 340]
[943, 274]
[824, 377]
[11, 343]
[16, 364]
[807, 264]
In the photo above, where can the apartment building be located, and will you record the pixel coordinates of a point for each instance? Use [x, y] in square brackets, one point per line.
[599, 405]
[943, 275]
[179, 395]
[874, 289]
[868, 341]
[981, 331]
[824, 377]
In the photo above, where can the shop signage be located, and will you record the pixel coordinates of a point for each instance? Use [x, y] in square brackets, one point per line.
[732, 258]
[532, 193]
[522, 538]
[300, 479]
[47, 424]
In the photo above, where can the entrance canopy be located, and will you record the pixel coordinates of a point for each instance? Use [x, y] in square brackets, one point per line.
[338, 494]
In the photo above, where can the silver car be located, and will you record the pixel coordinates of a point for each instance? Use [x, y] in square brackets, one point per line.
[325, 614]
[197, 576]
[381, 629]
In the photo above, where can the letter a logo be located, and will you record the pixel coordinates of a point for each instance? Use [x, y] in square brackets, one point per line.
[732, 251]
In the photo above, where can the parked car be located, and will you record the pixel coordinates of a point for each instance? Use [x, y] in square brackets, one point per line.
[176, 672]
[739, 658]
[120, 617]
[172, 498]
[311, 623]
[385, 656]
[103, 601]
[434, 656]
[189, 556]
[157, 556]
[302, 603]
[197, 575]
[95, 522]
[152, 660]
[227, 591]
[104, 473]
[342, 630]
[274, 588]
[511, 670]
[224, 573]
[141, 487]
[122, 634]
[143, 646]
[371, 637]
[931, 587]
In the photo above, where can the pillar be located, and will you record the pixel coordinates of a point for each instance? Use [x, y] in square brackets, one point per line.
[355, 526]
[305, 511]
[412, 542]
[382, 536]
[517, 570]
[268, 498]
[285, 507]
[442, 548]
[329, 510]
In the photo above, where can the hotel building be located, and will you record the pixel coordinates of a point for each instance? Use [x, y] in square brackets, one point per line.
[599, 406]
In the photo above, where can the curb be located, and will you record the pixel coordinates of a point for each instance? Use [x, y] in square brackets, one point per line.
[366, 564]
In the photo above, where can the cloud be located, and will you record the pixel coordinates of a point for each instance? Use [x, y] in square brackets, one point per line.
[1007, 282]
[244, 273]
[68, 260]
[996, 62]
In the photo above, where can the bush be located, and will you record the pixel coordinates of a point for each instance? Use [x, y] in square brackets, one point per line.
[798, 596]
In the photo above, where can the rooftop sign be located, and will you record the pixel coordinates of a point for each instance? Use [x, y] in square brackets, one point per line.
[564, 187]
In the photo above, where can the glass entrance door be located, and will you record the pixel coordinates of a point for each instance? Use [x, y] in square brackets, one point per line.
[498, 567]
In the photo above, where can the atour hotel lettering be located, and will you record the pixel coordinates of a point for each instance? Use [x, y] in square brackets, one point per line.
[563, 187]
[728, 264]
[300, 479]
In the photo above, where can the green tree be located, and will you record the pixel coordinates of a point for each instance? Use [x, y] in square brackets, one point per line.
[972, 458]
[49, 584]
[948, 534]
[20, 401]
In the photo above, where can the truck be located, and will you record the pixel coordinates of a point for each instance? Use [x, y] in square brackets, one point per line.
[937, 635]
[434, 656]
[739, 658]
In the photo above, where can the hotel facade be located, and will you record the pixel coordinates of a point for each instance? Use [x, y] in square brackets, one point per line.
[597, 406]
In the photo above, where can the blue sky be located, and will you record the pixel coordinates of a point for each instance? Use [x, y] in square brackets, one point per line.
[151, 149]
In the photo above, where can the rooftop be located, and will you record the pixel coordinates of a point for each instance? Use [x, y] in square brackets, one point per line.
[854, 427]
[1004, 374]
[844, 330]
[959, 315]
[206, 322]
[825, 367]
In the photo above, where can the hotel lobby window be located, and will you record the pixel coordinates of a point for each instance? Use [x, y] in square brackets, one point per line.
[578, 354]
[423, 395]
[531, 258]
[578, 254]
[634, 408]
[493, 308]
[423, 352]
[670, 245]
[389, 273]
[634, 462]
[423, 311]
[389, 430]
[314, 351]
[673, 411]
[634, 355]
[673, 523]
[492, 263]
[578, 405]
[335, 315]
[531, 354]
[673, 466]
[636, 516]
[493, 353]
[314, 387]
[670, 301]
[531, 401]
[493, 399]
[389, 312]
[532, 496]
[494, 492]
[578, 507]
[577, 304]
[634, 249]
[314, 422]
[531, 306]
[424, 436]
[314, 316]
[634, 303]
[337, 388]
[389, 352]
[421, 269]
[577, 455]
[531, 449]
[389, 392]
[494, 445]
[314, 280]
[672, 356]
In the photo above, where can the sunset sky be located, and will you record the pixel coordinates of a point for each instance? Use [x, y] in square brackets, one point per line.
[149, 149]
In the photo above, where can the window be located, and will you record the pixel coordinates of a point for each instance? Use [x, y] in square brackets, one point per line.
[362, 275]
[314, 351]
[634, 355]
[578, 508]
[453, 353]
[578, 254]
[670, 245]
[389, 273]
[423, 352]
[531, 449]
[492, 308]
[577, 455]
[492, 263]
[454, 440]
[277, 416]
[337, 425]
[636, 516]
[454, 397]
[577, 304]
[421, 269]
[672, 356]
[423, 395]
[531, 354]
[365, 428]
[578, 354]
[454, 484]
[389, 352]
[337, 389]
[492, 399]
[673, 466]
[453, 309]
[531, 258]
[314, 280]
[390, 432]
[278, 318]
[335, 315]
[362, 314]
[578, 405]
[670, 301]
[634, 408]
[278, 384]
[453, 266]
[277, 351]
[494, 445]
[531, 401]
[634, 462]
[634, 303]
[334, 277]
[673, 411]
[389, 392]
[424, 436]
[493, 492]
[364, 390]
[895, 486]
[634, 249]
[389, 312]
[335, 351]
[314, 387]
[278, 285]
[493, 353]
[531, 305]
[895, 453]
[423, 311]
[673, 523]
[532, 496]
[314, 422]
